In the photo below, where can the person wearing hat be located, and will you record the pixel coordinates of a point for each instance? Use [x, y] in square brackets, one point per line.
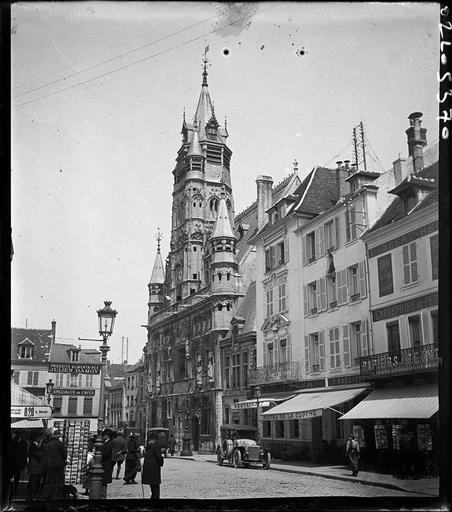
[352, 452]
[119, 450]
[56, 456]
[153, 462]
[132, 459]
[107, 463]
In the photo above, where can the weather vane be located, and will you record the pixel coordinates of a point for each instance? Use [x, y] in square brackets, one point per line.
[158, 236]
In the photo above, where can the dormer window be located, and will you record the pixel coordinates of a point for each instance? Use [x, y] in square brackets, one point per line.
[73, 356]
[410, 200]
[211, 131]
[25, 349]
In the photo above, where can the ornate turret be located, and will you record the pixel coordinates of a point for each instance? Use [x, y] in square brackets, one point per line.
[155, 286]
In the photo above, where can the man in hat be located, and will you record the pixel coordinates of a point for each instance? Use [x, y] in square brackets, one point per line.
[106, 461]
[132, 459]
[119, 450]
[56, 455]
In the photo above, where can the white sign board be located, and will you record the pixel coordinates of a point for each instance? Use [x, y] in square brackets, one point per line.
[30, 411]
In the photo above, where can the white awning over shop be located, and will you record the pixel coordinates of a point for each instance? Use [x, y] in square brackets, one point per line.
[28, 424]
[266, 401]
[402, 402]
[309, 405]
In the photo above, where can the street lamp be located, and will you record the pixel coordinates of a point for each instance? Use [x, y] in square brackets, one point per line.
[49, 391]
[106, 317]
[257, 393]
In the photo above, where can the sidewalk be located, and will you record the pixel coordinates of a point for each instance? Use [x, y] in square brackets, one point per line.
[421, 486]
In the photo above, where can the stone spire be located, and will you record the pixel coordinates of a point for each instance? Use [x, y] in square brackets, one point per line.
[158, 274]
[222, 227]
[195, 148]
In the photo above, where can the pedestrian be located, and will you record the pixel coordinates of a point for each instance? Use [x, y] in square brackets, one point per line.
[106, 461]
[19, 450]
[153, 461]
[352, 452]
[407, 452]
[118, 454]
[36, 466]
[132, 460]
[88, 467]
[172, 444]
[56, 455]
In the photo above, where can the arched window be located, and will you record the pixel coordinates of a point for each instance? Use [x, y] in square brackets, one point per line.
[213, 206]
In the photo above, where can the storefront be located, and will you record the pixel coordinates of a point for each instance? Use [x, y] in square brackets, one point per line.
[28, 412]
[397, 422]
[306, 426]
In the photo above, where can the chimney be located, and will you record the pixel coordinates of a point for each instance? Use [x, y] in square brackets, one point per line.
[53, 331]
[264, 198]
[398, 167]
[347, 165]
[338, 179]
[416, 139]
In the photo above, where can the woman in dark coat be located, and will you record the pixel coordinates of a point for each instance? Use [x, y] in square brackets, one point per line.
[153, 461]
[132, 460]
[107, 463]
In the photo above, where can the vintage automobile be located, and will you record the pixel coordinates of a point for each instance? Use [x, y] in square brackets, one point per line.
[240, 448]
[163, 435]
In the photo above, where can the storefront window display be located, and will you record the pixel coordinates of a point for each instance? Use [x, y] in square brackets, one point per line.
[381, 440]
[358, 432]
[396, 436]
[424, 437]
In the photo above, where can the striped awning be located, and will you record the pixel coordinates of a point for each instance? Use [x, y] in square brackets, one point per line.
[399, 402]
[28, 424]
[21, 397]
[309, 405]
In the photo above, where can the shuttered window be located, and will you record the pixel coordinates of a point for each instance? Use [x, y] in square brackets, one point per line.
[410, 273]
[335, 358]
[307, 359]
[346, 345]
[72, 406]
[87, 406]
[323, 295]
[322, 350]
[341, 283]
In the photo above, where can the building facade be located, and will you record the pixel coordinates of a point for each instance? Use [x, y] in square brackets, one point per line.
[402, 253]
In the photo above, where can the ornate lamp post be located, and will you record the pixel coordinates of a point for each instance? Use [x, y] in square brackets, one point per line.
[107, 317]
[49, 392]
[186, 452]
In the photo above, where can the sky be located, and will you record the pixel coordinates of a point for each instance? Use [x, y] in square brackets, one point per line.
[99, 91]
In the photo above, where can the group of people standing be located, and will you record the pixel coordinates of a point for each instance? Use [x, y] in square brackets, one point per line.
[115, 450]
[45, 459]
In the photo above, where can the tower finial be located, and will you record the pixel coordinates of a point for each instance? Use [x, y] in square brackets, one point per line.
[184, 115]
[204, 73]
[295, 165]
[158, 236]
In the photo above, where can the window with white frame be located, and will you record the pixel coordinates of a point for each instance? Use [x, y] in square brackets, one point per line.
[330, 235]
[269, 302]
[331, 290]
[312, 297]
[32, 378]
[341, 284]
[350, 224]
[73, 380]
[26, 351]
[346, 345]
[74, 356]
[310, 246]
[315, 351]
[275, 255]
[282, 297]
[410, 272]
[335, 358]
[353, 283]
[355, 341]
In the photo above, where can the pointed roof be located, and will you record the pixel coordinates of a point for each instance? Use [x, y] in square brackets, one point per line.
[203, 110]
[195, 148]
[157, 276]
[222, 227]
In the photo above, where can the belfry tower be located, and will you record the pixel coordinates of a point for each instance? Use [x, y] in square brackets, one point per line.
[201, 176]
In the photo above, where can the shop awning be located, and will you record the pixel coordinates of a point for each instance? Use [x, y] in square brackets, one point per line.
[28, 424]
[401, 402]
[308, 405]
[21, 397]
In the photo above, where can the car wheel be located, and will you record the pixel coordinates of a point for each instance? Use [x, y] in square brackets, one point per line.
[219, 458]
[237, 458]
[267, 461]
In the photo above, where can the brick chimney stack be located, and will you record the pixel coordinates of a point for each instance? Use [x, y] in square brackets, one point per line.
[264, 198]
[53, 331]
[416, 139]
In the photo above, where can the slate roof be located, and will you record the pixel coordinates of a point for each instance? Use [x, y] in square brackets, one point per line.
[396, 210]
[322, 194]
[60, 353]
[117, 370]
[247, 309]
[41, 338]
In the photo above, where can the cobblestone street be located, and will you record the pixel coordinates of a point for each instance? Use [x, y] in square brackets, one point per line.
[186, 478]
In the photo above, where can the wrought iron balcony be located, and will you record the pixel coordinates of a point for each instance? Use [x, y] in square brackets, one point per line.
[406, 360]
[280, 372]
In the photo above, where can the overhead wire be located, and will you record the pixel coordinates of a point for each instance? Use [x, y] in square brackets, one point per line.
[94, 66]
[135, 62]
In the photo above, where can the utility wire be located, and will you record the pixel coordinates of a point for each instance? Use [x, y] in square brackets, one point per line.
[134, 63]
[113, 58]
[340, 152]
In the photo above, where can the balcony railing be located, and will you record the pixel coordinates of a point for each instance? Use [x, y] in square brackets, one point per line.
[280, 372]
[403, 361]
